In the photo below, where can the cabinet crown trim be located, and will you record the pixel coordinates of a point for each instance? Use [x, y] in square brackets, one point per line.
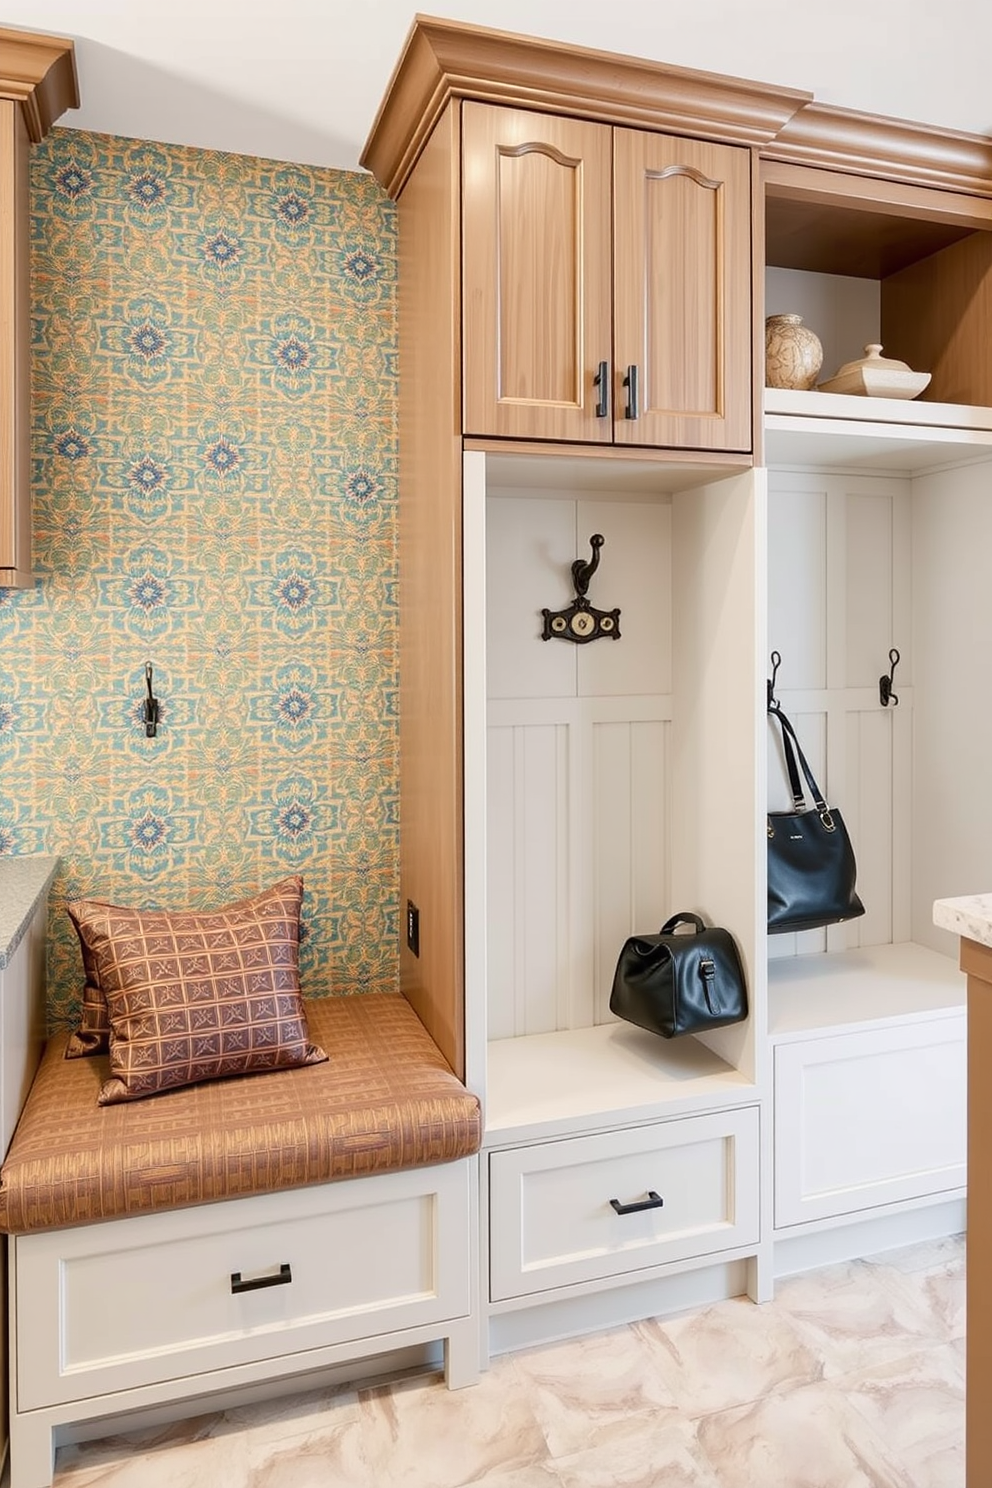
[873, 145]
[445, 60]
[442, 60]
[39, 73]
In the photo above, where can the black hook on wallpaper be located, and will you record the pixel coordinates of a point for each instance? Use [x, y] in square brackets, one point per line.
[151, 705]
[885, 693]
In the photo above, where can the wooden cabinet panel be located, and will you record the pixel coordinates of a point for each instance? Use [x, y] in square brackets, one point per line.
[683, 290]
[548, 299]
[536, 266]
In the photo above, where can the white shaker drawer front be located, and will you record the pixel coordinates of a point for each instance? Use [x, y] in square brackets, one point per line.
[108, 1307]
[585, 1208]
[869, 1118]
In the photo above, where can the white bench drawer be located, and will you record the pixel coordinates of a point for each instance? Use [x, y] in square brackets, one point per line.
[869, 1118]
[552, 1222]
[108, 1307]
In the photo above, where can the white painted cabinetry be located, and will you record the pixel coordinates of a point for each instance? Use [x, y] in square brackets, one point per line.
[619, 1202]
[139, 1312]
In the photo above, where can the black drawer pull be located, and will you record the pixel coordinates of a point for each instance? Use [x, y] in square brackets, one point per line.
[256, 1283]
[653, 1201]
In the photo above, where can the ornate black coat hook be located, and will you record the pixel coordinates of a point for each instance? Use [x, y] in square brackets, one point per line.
[581, 621]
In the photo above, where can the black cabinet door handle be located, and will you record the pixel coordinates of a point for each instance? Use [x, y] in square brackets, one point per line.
[653, 1201]
[256, 1283]
[602, 382]
[630, 383]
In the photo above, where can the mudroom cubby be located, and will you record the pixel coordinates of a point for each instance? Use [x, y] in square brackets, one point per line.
[601, 796]
[876, 512]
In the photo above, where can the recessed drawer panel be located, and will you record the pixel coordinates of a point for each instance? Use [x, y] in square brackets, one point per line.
[112, 1306]
[869, 1118]
[553, 1223]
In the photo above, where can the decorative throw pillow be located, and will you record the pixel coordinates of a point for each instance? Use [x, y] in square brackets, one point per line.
[93, 1034]
[195, 995]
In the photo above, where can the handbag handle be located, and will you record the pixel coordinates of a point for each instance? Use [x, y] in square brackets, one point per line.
[790, 739]
[684, 918]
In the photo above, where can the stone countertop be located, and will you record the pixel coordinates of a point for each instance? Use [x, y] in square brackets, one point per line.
[970, 916]
[23, 882]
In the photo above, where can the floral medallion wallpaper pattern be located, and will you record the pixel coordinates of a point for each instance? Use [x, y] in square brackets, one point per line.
[214, 481]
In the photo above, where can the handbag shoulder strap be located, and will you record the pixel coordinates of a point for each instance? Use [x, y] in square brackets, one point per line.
[791, 743]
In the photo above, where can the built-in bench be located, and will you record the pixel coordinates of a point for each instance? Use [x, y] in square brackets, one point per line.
[238, 1231]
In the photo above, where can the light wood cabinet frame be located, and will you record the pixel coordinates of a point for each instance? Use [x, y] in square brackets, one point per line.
[37, 84]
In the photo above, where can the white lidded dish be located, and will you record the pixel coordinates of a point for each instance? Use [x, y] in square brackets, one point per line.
[875, 376]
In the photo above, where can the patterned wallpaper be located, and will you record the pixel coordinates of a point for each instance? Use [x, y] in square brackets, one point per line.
[214, 479]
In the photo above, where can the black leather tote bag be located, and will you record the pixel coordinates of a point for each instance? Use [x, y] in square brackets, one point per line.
[675, 983]
[811, 866]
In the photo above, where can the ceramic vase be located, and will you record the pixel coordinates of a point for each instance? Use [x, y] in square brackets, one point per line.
[793, 354]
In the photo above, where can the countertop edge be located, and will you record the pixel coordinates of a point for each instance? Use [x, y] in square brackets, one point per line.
[969, 916]
[24, 882]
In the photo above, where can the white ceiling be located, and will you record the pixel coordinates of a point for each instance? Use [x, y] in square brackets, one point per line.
[302, 79]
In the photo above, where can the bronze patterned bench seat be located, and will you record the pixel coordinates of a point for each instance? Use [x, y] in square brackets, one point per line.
[384, 1100]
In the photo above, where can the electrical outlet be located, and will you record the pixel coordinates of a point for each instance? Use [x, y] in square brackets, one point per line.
[413, 927]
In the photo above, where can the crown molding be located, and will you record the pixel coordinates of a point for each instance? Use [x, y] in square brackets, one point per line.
[895, 149]
[39, 73]
[443, 60]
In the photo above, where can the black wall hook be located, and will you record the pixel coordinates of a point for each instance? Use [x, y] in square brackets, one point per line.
[151, 705]
[581, 621]
[583, 571]
[772, 700]
[885, 693]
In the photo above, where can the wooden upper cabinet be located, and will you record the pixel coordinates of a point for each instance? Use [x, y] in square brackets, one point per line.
[682, 294]
[37, 84]
[536, 273]
[596, 259]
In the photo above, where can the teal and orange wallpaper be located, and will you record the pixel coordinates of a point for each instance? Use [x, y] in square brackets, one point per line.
[214, 453]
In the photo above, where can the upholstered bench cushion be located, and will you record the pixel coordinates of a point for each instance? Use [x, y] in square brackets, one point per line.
[386, 1099]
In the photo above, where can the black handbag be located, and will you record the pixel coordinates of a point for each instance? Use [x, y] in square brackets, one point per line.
[679, 983]
[811, 866]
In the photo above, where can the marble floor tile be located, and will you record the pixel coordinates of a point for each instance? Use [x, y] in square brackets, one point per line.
[916, 1406]
[856, 1316]
[418, 1434]
[925, 1255]
[647, 1451]
[810, 1437]
[575, 1388]
[120, 1463]
[325, 1457]
[728, 1355]
[938, 1284]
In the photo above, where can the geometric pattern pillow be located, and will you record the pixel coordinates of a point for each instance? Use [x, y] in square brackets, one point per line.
[93, 1034]
[194, 995]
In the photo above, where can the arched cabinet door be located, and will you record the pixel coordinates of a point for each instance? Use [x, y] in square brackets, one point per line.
[682, 299]
[536, 247]
[606, 283]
